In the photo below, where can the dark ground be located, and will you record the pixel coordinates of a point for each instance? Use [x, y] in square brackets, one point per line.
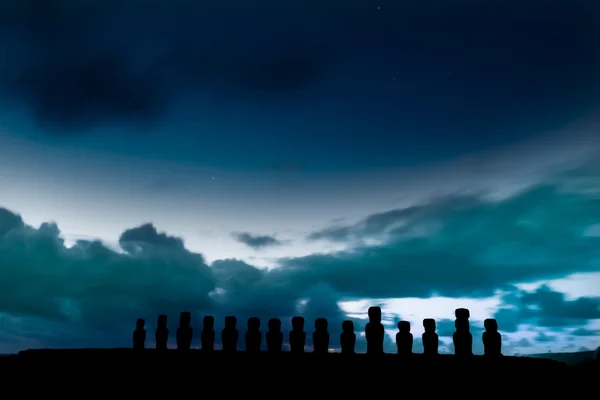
[129, 358]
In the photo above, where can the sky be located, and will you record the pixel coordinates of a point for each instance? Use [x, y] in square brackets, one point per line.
[300, 157]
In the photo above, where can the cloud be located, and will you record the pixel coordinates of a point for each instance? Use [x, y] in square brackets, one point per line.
[88, 294]
[256, 242]
[585, 332]
[461, 245]
[544, 307]
[544, 338]
[76, 65]
[473, 247]
[79, 64]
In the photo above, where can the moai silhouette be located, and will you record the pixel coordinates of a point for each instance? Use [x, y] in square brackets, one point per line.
[229, 334]
[297, 335]
[492, 340]
[404, 339]
[374, 331]
[253, 335]
[161, 336]
[184, 332]
[321, 337]
[274, 336]
[462, 338]
[139, 335]
[430, 339]
[348, 337]
[207, 337]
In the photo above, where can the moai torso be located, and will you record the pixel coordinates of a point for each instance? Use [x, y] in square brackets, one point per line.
[374, 331]
[430, 337]
[297, 335]
[404, 339]
[207, 337]
[161, 336]
[492, 340]
[462, 338]
[253, 336]
[321, 336]
[139, 335]
[348, 337]
[184, 332]
[274, 336]
[230, 334]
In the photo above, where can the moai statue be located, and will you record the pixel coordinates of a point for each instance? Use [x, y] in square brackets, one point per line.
[139, 335]
[297, 335]
[184, 332]
[321, 337]
[404, 339]
[161, 336]
[229, 334]
[253, 335]
[348, 337]
[492, 340]
[431, 340]
[274, 336]
[207, 337]
[374, 331]
[462, 338]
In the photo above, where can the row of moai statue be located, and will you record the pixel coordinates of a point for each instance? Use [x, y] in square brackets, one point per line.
[374, 330]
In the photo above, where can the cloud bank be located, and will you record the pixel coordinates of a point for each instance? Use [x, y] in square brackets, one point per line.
[78, 64]
[454, 246]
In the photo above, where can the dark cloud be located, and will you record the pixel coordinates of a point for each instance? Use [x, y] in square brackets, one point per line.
[462, 245]
[542, 337]
[256, 242]
[77, 64]
[545, 307]
[585, 332]
[148, 235]
[477, 247]
[88, 294]
[521, 343]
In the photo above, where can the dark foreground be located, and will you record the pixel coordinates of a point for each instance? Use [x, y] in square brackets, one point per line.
[197, 359]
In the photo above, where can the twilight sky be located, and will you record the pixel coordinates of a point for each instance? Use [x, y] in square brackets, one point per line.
[299, 157]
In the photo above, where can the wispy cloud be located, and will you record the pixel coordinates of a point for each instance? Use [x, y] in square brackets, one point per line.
[256, 242]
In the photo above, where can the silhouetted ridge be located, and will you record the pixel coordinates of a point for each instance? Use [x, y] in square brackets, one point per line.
[252, 357]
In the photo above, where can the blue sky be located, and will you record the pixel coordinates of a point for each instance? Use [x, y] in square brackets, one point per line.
[299, 158]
